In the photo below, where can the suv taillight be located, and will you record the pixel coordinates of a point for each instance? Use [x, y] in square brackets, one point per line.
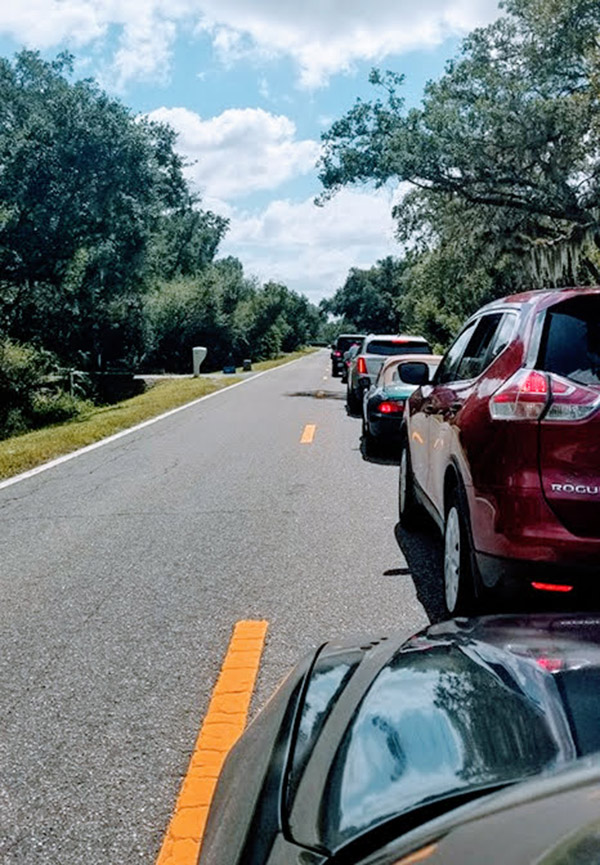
[529, 392]
[361, 366]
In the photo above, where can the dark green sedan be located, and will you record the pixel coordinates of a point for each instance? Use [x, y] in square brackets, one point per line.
[383, 402]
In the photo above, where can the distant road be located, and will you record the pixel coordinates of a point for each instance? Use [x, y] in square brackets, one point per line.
[123, 571]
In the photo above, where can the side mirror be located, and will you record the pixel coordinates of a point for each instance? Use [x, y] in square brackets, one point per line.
[414, 372]
[364, 382]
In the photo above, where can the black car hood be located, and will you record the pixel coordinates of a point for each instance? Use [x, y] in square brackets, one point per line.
[371, 733]
[461, 708]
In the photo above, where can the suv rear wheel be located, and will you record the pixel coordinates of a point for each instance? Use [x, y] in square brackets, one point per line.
[459, 585]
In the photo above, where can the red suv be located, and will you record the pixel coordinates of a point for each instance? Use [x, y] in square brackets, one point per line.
[503, 447]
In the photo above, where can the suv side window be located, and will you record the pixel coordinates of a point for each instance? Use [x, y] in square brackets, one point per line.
[448, 366]
[503, 335]
[477, 353]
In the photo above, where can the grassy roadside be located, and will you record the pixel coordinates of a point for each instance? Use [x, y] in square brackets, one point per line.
[20, 453]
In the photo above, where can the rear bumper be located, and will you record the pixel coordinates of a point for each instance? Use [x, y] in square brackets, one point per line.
[495, 570]
[385, 427]
[516, 533]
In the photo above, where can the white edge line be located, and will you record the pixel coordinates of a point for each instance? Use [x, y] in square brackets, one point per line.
[84, 450]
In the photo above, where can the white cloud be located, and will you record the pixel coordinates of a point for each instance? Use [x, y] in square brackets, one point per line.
[239, 152]
[322, 38]
[42, 24]
[144, 52]
[325, 39]
[310, 248]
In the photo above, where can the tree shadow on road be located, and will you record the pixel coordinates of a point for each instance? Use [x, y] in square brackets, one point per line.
[319, 394]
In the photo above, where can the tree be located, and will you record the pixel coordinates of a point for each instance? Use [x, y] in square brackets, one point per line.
[279, 320]
[106, 256]
[369, 298]
[185, 240]
[512, 127]
[228, 313]
[93, 203]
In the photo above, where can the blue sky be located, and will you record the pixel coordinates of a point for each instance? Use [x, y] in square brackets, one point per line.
[250, 85]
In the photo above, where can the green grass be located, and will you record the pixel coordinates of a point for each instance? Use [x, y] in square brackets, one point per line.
[20, 453]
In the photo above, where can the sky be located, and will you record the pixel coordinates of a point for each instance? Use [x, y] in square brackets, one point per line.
[250, 86]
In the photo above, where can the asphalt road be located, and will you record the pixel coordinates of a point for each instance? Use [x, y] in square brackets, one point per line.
[123, 571]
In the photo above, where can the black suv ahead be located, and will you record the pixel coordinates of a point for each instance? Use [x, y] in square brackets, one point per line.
[343, 343]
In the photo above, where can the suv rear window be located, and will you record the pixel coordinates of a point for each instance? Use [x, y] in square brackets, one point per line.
[571, 340]
[346, 342]
[388, 347]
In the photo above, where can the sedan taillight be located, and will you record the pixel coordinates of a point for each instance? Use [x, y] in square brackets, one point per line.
[529, 392]
[390, 407]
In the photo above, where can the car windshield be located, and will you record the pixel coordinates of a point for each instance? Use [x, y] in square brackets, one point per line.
[388, 347]
[391, 375]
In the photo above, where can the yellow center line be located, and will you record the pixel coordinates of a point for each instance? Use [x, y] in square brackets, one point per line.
[308, 434]
[224, 723]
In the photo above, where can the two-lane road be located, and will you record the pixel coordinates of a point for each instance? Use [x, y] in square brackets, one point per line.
[122, 573]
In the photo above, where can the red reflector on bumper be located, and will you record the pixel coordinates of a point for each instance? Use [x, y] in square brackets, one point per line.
[551, 587]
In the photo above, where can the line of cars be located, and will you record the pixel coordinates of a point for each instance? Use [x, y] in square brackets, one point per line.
[498, 441]
[478, 737]
[502, 448]
[380, 371]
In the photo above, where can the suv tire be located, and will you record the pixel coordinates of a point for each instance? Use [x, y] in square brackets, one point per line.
[409, 509]
[459, 579]
[352, 402]
[369, 441]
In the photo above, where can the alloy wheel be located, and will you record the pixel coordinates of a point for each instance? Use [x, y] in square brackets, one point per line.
[452, 557]
[403, 472]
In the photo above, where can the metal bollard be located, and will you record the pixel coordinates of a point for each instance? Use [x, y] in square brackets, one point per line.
[198, 355]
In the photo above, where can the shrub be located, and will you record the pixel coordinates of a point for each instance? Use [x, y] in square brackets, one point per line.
[26, 400]
[23, 369]
[50, 408]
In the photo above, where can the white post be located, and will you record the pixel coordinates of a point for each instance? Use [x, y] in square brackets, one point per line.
[198, 355]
